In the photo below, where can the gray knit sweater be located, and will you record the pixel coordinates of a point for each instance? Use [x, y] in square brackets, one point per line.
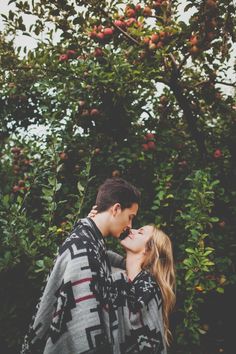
[85, 309]
[70, 317]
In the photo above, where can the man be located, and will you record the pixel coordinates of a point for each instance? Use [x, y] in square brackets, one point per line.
[72, 317]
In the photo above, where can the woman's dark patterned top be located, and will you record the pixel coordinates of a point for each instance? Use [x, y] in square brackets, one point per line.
[138, 304]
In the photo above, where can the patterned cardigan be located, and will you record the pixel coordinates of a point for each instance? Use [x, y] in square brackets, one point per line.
[70, 317]
[138, 305]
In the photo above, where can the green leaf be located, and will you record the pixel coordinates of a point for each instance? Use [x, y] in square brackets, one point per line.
[189, 250]
[208, 263]
[58, 186]
[80, 187]
[207, 252]
[220, 290]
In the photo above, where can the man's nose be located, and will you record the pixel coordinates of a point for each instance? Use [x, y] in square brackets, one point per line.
[130, 224]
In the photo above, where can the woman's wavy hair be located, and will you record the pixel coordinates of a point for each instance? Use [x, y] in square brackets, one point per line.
[160, 263]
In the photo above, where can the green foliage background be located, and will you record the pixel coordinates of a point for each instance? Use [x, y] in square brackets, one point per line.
[107, 115]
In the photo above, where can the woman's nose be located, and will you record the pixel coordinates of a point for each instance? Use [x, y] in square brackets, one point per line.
[132, 233]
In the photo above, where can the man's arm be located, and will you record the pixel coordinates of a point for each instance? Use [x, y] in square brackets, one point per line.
[70, 313]
[77, 325]
[116, 260]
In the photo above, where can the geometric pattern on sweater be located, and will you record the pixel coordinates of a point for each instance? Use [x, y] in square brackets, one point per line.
[143, 340]
[139, 307]
[62, 314]
[70, 318]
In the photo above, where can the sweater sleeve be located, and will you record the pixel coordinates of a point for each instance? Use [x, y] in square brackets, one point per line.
[138, 292]
[69, 318]
[116, 260]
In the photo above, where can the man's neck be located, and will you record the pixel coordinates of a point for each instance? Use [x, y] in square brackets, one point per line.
[102, 221]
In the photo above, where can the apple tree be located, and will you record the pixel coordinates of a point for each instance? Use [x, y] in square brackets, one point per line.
[126, 89]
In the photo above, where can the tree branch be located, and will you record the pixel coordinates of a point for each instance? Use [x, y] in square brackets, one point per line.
[233, 84]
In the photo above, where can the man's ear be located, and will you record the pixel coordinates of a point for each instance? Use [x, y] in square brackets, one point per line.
[115, 209]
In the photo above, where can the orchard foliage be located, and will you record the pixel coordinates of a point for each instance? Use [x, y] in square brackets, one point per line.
[124, 89]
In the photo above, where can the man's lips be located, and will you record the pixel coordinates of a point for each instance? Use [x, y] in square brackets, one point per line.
[124, 234]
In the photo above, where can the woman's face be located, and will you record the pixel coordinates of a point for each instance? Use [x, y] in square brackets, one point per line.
[136, 241]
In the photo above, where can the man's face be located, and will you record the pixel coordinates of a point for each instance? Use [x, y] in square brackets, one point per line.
[122, 219]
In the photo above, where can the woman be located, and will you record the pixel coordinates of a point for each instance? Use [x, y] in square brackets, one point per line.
[143, 297]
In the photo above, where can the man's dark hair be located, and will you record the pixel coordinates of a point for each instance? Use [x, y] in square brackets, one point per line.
[116, 190]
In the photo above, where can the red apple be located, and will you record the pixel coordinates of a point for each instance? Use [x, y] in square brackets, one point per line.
[16, 189]
[130, 12]
[155, 38]
[130, 21]
[149, 136]
[63, 57]
[222, 224]
[100, 36]
[93, 35]
[138, 7]
[162, 34]
[16, 150]
[120, 24]
[71, 52]
[193, 40]
[146, 40]
[94, 112]
[98, 52]
[151, 145]
[63, 155]
[108, 32]
[145, 147]
[97, 151]
[217, 153]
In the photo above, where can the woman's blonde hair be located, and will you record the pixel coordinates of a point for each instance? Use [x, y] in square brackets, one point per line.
[160, 263]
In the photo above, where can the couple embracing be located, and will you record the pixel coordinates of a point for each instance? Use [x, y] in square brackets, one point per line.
[86, 308]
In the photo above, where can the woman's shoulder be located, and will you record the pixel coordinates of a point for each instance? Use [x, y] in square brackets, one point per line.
[146, 287]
